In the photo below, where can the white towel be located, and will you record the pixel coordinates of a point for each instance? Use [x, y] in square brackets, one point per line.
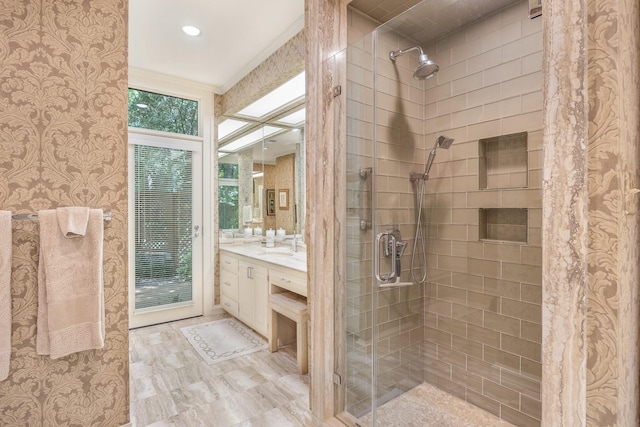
[247, 214]
[5, 293]
[70, 288]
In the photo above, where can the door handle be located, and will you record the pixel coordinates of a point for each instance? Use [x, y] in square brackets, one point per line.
[389, 240]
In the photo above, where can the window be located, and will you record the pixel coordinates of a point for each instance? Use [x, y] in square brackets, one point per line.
[228, 196]
[165, 113]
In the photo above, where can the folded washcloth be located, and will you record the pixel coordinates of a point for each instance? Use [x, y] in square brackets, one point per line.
[73, 221]
[70, 287]
[5, 293]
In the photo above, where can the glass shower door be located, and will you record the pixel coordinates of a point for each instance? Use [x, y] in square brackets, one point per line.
[383, 322]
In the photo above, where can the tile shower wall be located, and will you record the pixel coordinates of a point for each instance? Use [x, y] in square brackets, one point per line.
[483, 298]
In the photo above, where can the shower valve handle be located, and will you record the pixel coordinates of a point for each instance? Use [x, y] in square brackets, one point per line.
[389, 240]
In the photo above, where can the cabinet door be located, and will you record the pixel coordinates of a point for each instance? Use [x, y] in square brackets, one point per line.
[245, 292]
[261, 300]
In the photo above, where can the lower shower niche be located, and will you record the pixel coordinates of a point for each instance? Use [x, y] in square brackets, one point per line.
[503, 224]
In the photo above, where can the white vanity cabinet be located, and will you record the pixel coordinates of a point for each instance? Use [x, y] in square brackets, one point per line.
[253, 295]
[229, 283]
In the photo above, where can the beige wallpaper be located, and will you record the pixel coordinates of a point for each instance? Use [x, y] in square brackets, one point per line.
[285, 172]
[63, 129]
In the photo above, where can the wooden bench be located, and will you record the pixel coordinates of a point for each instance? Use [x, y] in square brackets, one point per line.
[294, 307]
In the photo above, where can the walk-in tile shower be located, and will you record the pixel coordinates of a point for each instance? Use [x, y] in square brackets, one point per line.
[473, 327]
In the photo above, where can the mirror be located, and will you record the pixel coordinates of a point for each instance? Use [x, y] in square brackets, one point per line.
[262, 184]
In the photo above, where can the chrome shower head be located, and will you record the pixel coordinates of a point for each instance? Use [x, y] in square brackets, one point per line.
[426, 67]
[443, 142]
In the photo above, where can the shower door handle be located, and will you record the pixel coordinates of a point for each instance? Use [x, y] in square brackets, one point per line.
[389, 240]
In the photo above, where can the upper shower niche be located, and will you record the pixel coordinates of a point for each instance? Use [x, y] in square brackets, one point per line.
[503, 161]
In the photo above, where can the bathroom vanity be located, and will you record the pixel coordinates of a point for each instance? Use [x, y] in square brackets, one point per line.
[249, 273]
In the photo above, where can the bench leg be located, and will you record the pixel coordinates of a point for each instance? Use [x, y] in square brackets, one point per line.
[301, 347]
[273, 336]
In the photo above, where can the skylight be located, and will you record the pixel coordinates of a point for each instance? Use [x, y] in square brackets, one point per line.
[294, 119]
[276, 99]
[251, 138]
[229, 126]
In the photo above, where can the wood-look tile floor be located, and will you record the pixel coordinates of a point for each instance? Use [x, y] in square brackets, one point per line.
[172, 386]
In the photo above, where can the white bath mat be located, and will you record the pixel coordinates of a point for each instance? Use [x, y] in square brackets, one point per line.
[222, 340]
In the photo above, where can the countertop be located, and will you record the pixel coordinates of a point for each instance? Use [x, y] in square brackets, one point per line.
[280, 255]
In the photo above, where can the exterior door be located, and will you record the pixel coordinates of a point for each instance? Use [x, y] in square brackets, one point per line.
[165, 200]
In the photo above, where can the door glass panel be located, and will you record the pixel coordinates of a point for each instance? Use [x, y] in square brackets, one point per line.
[163, 226]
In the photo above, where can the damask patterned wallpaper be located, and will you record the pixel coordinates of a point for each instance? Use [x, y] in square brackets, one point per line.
[63, 127]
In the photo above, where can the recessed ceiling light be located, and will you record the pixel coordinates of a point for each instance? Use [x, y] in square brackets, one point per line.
[294, 118]
[251, 138]
[190, 30]
[229, 126]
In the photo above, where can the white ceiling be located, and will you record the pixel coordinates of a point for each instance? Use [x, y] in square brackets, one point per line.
[236, 36]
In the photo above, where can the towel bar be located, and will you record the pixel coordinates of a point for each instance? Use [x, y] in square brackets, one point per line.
[34, 217]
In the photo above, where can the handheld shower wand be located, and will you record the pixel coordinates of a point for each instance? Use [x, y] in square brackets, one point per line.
[441, 142]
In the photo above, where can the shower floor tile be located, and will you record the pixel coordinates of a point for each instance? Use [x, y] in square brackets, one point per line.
[427, 406]
[171, 386]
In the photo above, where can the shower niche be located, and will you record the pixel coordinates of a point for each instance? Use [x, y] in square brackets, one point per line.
[507, 225]
[503, 161]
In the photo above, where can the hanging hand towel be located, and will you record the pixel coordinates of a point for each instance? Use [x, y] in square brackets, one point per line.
[5, 293]
[70, 288]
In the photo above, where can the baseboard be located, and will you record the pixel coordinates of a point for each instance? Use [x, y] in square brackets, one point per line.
[216, 309]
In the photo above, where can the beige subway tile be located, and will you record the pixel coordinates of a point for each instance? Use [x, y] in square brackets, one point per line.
[451, 263]
[467, 281]
[481, 368]
[518, 180]
[451, 72]
[521, 347]
[521, 384]
[532, 63]
[466, 314]
[531, 331]
[522, 310]
[430, 320]
[532, 102]
[522, 84]
[484, 60]
[535, 236]
[452, 231]
[462, 51]
[453, 326]
[531, 293]
[511, 31]
[439, 276]
[501, 394]
[486, 26]
[484, 402]
[483, 199]
[486, 129]
[466, 84]
[531, 255]
[456, 359]
[473, 232]
[388, 329]
[522, 273]
[502, 73]
[437, 336]
[464, 345]
[502, 288]
[483, 335]
[440, 307]
[438, 246]
[531, 368]
[456, 200]
[482, 301]
[502, 252]
[483, 96]
[518, 418]
[466, 378]
[466, 249]
[535, 159]
[521, 198]
[535, 179]
[464, 216]
[482, 267]
[452, 295]
[451, 387]
[522, 122]
[531, 407]
[496, 180]
[504, 324]
[452, 104]
[382, 314]
[497, 357]
[469, 116]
